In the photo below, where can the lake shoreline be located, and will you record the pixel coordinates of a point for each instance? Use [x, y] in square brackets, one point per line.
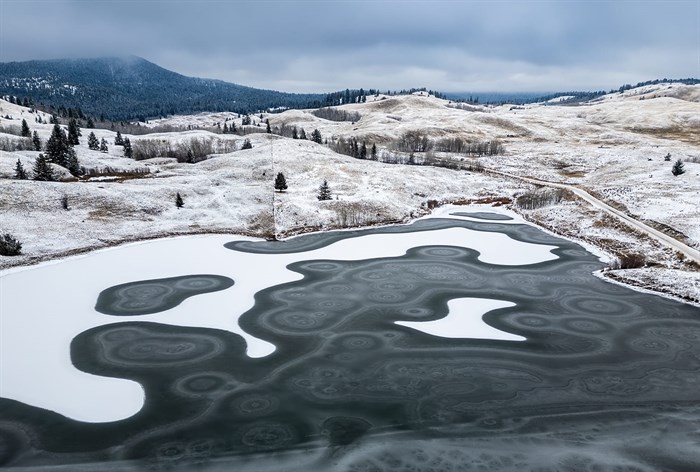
[654, 285]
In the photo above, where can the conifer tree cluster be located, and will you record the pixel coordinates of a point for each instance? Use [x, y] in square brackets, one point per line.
[60, 151]
[128, 151]
[43, 170]
[93, 143]
[229, 129]
[119, 140]
[74, 132]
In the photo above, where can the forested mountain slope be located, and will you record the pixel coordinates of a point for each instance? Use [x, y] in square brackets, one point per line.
[134, 88]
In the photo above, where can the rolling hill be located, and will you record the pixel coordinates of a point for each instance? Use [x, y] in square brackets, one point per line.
[133, 88]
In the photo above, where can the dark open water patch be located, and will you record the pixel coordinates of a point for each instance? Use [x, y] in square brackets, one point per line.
[310, 242]
[483, 215]
[146, 297]
[607, 378]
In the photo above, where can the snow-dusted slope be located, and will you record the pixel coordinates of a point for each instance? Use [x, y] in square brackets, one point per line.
[613, 147]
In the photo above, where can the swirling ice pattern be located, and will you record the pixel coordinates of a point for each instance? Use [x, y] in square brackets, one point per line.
[600, 363]
[153, 296]
[142, 347]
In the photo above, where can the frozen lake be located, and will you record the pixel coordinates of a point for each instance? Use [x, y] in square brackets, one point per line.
[453, 327]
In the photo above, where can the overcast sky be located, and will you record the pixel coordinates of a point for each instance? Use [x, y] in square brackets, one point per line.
[319, 46]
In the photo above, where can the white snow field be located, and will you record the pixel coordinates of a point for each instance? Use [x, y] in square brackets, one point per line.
[460, 322]
[36, 331]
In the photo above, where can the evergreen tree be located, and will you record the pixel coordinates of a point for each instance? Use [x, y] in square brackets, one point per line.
[294, 133]
[90, 124]
[93, 143]
[316, 137]
[225, 131]
[43, 170]
[302, 135]
[118, 140]
[25, 129]
[363, 151]
[179, 202]
[268, 129]
[103, 145]
[36, 141]
[324, 192]
[280, 182]
[128, 151]
[677, 168]
[57, 146]
[53, 120]
[374, 151]
[72, 163]
[247, 145]
[73, 132]
[20, 173]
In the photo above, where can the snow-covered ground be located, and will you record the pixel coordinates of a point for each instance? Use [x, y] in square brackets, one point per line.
[614, 147]
[69, 290]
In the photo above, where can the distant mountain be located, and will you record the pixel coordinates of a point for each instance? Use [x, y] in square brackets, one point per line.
[134, 88]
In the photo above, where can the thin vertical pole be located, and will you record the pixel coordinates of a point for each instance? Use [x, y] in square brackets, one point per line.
[274, 212]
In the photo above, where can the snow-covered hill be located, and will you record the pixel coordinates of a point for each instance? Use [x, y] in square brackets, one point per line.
[614, 147]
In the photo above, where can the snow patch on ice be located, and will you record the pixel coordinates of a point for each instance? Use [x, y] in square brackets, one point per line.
[465, 320]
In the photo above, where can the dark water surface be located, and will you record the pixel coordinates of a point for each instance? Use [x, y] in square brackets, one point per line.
[608, 378]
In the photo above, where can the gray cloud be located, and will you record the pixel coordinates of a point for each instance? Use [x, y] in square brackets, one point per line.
[320, 46]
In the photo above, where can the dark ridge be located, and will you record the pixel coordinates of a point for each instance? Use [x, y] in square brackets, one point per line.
[129, 88]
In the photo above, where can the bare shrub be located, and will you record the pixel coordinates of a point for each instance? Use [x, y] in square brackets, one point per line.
[473, 165]
[629, 261]
[412, 141]
[336, 114]
[19, 144]
[540, 198]
[459, 145]
[356, 213]
[190, 151]
[150, 148]
[263, 223]
[465, 107]
[11, 129]
[114, 172]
